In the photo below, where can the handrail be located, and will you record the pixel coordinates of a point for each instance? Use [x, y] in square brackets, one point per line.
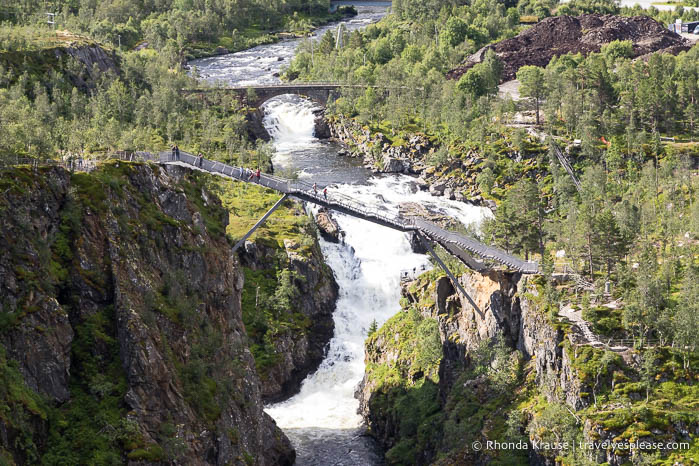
[301, 85]
[305, 190]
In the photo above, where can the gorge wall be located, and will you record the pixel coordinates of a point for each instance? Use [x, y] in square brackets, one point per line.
[298, 351]
[121, 332]
[462, 372]
[441, 376]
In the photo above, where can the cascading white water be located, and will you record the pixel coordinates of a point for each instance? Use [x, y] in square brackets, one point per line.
[291, 124]
[367, 268]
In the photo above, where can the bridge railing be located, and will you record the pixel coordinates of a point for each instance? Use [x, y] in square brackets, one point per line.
[301, 85]
[351, 204]
[336, 199]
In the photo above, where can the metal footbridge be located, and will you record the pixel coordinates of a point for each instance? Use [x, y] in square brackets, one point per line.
[457, 244]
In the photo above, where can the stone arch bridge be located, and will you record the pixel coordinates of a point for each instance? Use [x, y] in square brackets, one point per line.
[319, 92]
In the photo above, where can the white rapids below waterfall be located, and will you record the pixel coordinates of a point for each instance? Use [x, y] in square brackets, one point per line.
[322, 420]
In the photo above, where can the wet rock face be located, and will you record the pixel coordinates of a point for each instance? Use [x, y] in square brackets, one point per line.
[255, 126]
[322, 128]
[138, 247]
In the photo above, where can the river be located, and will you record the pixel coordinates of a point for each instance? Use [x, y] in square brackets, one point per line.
[321, 420]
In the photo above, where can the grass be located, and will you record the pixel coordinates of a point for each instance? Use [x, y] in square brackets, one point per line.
[33, 38]
[247, 203]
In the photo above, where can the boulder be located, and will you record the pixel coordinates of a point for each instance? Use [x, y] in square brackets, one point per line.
[392, 165]
[328, 227]
[437, 188]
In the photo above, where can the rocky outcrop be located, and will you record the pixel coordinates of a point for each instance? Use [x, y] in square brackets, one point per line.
[321, 126]
[297, 353]
[255, 126]
[81, 63]
[328, 227]
[507, 307]
[121, 285]
[378, 153]
[94, 59]
[456, 181]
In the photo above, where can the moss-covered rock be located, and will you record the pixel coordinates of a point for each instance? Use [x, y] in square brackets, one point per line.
[122, 335]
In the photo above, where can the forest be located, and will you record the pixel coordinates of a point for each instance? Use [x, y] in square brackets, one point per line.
[634, 220]
[623, 221]
[190, 25]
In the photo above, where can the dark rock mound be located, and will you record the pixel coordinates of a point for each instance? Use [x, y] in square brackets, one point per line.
[322, 128]
[328, 227]
[584, 34]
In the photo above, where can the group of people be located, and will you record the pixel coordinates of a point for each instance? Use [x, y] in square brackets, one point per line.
[256, 174]
[245, 172]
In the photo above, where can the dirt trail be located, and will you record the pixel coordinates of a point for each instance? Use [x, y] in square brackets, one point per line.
[572, 34]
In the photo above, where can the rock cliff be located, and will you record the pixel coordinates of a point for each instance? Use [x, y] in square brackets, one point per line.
[441, 375]
[121, 334]
[297, 351]
[507, 314]
[81, 61]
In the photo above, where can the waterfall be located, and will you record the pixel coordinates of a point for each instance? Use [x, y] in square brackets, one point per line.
[367, 269]
[290, 122]
[322, 420]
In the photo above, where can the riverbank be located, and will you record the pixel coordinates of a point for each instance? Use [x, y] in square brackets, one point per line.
[469, 177]
[303, 25]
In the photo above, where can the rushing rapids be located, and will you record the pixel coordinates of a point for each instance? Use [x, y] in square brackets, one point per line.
[322, 420]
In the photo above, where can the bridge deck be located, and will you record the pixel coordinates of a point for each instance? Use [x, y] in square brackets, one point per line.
[336, 201]
[299, 86]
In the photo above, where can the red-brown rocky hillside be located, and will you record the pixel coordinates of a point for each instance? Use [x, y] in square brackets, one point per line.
[572, 34]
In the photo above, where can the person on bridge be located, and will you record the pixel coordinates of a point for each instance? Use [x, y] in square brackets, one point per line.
[258, 174]
[251, 174]
[325, 193]
[315, 188]
[200, 159]
[177, 152]
[173, 151]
